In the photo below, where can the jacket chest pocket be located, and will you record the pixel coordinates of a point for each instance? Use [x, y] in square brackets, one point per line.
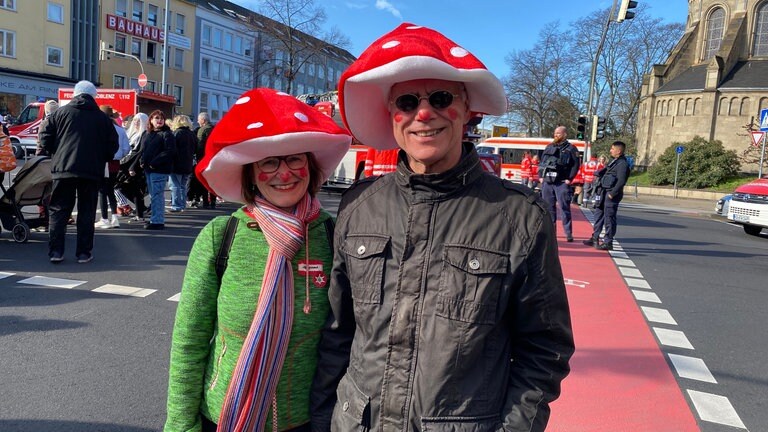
[470, 284]
[365, 257]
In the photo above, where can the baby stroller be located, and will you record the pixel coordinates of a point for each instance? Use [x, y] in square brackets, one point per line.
[31, 187]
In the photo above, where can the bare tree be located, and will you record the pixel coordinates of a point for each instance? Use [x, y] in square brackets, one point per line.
[291, 37]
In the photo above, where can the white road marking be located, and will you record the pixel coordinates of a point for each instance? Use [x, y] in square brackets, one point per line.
[624, 262]
[715, 409]
[674, 338]
[637, 283]
[631, 272]
[692, 368]
[618, 254]
[175, 297]
[646, 296]
[124, 290]
[4, 275]
[51, 282]
[658, 315]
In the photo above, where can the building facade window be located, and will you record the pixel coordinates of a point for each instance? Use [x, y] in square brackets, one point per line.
[206, 35]
[134, 83]
[178, 93]
[118, 81]
[203, 102]
[216, 70]
[55, 13]
[151, 86]
[8, 4]
[714, 33]
[205, 68]
[760, 48]
[226, 72]
[136, 47]
[54, 56]
[151, 52]
[121, 8]
[228, 41]
[138, 10]
[152, 15]
[178, 59]
[7, 43]
[217, 38]
[181, 23]
[238, 48]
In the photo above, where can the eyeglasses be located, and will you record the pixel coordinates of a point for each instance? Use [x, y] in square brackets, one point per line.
[271, 164]
[438, 99]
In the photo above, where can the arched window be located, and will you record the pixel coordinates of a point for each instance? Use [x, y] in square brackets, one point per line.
[658, 108]
[723, 107]
[761, 31]
[733, 108]
[681, 107]
[696, 103]
[744, 108]
[714, 34]
[688, 107]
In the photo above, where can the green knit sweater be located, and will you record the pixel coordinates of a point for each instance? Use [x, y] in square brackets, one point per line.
[212, 323]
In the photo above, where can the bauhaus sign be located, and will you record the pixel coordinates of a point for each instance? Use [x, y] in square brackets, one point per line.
[134, 28]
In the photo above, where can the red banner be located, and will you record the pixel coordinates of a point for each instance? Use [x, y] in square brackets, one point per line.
[135, 28]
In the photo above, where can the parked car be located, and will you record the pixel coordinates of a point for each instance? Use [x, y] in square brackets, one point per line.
[721, 207]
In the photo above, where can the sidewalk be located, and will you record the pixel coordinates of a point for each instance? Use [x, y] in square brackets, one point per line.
[669, 203]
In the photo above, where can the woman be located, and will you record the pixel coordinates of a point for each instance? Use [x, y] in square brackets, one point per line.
[107, 197]
[158, 151]
[270, 152]
[132, 184]
[186, 144]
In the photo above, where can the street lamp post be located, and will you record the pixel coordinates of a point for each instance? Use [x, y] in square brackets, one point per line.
[165, 46]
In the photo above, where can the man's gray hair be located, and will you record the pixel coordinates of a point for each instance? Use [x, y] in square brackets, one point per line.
[86, 87]
[204, 116]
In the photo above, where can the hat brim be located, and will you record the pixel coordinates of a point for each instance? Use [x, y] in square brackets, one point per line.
[224, 171]
[364, 104]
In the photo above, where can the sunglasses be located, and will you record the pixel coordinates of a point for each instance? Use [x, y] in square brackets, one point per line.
[271, 164]
[438, 99]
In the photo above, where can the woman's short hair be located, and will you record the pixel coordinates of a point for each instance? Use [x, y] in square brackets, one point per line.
[153, 114]
[181, 121]
[250, 190]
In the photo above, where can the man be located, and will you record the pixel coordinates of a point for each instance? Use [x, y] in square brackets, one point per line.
[80, 139]
[525, 169]
[449, 309]
[589, 178]
[559, 166]
[611, 179]
[203, 131]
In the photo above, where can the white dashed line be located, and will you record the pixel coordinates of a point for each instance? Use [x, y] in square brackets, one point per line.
[4, 275]
[631, 272]
[175, 297]
[715, 409]
[658, 315]
[673, 338]
[646, 296]
[692, 368]
[618, 254]
[624, 262]
[124, 290]
[51, 282]
[637, 283]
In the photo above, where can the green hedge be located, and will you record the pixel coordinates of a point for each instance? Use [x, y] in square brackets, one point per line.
[703, 164]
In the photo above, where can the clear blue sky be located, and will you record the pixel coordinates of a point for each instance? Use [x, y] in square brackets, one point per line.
[490, 29]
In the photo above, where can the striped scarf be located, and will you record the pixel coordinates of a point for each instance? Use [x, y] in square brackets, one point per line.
[254, 382]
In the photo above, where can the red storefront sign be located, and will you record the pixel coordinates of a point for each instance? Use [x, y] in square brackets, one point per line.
[124, 25]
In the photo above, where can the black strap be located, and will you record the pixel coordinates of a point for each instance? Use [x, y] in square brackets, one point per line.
[222, 257]
[226, 244]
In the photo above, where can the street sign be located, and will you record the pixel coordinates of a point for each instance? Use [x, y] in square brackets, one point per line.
[679, 149]
[142, 80]
[764, 120]
[757, 138]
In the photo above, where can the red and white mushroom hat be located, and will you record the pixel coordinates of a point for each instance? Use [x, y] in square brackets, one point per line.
[264, 123]
[410, 52]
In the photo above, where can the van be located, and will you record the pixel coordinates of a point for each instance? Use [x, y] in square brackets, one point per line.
[23, 131]
[511, 150]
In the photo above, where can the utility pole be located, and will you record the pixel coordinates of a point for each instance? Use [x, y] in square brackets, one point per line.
[590, 109]
[165, 46]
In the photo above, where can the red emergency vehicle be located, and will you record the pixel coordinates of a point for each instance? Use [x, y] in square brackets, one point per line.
[511, 150]
[749, 206]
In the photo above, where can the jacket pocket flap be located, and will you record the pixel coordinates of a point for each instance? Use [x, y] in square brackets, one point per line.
[364, 246]
[351, 401]
[476, 261]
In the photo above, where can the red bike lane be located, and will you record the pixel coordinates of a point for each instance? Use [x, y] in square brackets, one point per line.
[620, 379]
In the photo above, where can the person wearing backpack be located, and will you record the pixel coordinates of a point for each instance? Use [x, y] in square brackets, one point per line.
[560, 163]
[611, 181]
[245, 339]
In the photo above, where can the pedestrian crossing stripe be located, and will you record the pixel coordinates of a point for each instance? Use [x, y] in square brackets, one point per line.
[51, 282]
[4, 275]
[124, 290]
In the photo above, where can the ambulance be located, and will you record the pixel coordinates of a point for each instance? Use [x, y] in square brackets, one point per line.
[511, 150]
[749, 206]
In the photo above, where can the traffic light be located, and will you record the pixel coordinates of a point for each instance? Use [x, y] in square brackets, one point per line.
[598, 130]
[624, 10]
[104, 51]
[581, 129]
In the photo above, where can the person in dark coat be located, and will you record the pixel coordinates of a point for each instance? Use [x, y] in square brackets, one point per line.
[205, 129]
[159, 151]
[611, 181]
[186, 145]
[559, 166]
[80, 139]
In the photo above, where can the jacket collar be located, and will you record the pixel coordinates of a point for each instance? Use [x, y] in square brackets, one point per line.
[437, 186]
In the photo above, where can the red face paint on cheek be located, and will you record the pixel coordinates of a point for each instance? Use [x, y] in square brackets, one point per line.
[303, 173]
[398, 117]
[263, 177]
[452, 113]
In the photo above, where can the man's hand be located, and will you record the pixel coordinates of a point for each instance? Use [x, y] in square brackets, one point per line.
[567, 182]
[132, 173]
[610, 196]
